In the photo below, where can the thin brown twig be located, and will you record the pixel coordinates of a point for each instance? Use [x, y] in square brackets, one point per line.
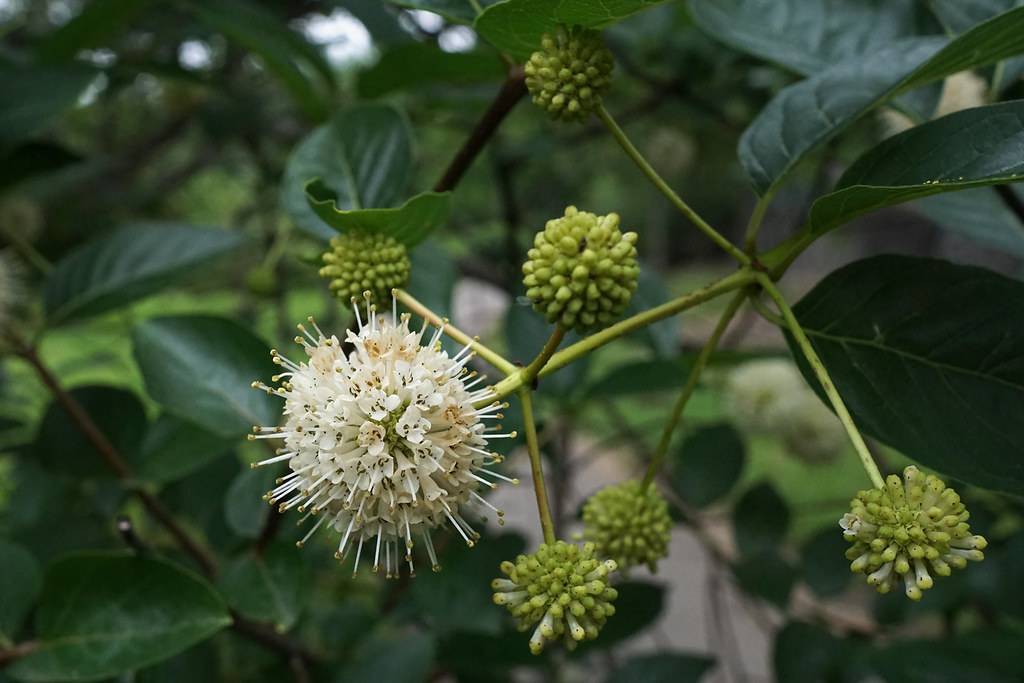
[512, 90]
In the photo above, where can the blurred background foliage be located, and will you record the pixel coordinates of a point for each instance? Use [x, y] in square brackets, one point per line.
[153, 160]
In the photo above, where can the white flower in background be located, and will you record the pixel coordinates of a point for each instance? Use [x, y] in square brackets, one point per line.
[770, 397]
[12, 289]
[385, 444]
[964, 90]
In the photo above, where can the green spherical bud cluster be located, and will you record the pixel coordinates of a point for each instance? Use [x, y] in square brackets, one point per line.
[360, 262]
[568, 74]
[582, 270]
[899, 531]
[628, 523]
[562, 590]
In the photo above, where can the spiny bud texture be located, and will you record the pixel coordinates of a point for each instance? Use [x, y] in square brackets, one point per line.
[901, 530]
[567, 76]
[628, 523]
[360, 262]
[582, 271]
[562, 590]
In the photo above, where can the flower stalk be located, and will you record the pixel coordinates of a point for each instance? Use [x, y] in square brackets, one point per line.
[547, 524]
[826, 381]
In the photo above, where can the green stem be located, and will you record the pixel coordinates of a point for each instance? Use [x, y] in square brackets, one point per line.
[29, 253]
[536, 469]
[571, 353]
[492, 357]
[537, 364]
[826, 381]
[754, 226]
[660, 183]
[476, 7]
[691, 385]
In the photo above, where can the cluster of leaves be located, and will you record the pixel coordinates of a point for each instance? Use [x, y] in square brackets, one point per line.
[926, 353]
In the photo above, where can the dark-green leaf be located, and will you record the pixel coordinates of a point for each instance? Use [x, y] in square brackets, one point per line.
[201, 368]
[971, 148]
[663, 667]
[363, 156]
[33, 96]
[415, 65]
[409, 223]
[708, 465]
[805, 115]
[269, 586]
[19, 589]
[106, 613]
[760, 520]
[516, 26]
[128, 264]
[929, 357]
[174, 448]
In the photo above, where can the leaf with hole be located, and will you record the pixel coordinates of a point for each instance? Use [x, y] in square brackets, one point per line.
[201, 368]
[929, 358]
[104, 614]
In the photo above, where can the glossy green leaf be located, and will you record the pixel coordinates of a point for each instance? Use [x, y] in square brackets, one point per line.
[805, 115]
[36, 95]
[414, 65]
[244, 508]
[392, 657]
[270, 586]
[962, 15]
[516, 26]
[806, 35]
[768, 576]
[823, 565]
[23, 580]
[458, 11]
[978, 215]
[971, 148]
[174, 448]
[201, 368]
[286, 53]
[409, 223]
[103, 614]
[708, 465]
[928, 357]
[663, 667]
[129, 264]
[98, 21]
[433, 277]
[638, 607]
[363, 156]
[62, 447]
[803, 652]
[760, 520]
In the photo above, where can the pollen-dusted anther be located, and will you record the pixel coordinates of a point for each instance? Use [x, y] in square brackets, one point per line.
[912, 524]
[359, 262]
[561, 590]
[568, 75]
[384, 444]
[628, 523]
[582, 270]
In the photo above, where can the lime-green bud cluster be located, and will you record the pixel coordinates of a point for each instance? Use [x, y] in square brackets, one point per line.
[901, 530]
[629, 523]
[582, 270]
[561, 589]
[358, 262]
[568, 74]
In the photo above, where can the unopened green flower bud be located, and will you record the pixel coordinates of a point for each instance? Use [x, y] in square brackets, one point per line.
[561, 591]
[358, 262]
[568, 74]
[904, 532]
[582, 271]
[628, 523]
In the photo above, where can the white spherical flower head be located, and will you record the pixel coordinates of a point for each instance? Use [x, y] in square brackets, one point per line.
[385, 443]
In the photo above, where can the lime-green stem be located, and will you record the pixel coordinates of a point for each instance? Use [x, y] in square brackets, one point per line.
[754, 226]
[537, 364]
[691, 385]
[826, 381]
[476, 7]
[663, 187]
[28, 252]
[492, 357]
[559, 360]
[536, 469]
